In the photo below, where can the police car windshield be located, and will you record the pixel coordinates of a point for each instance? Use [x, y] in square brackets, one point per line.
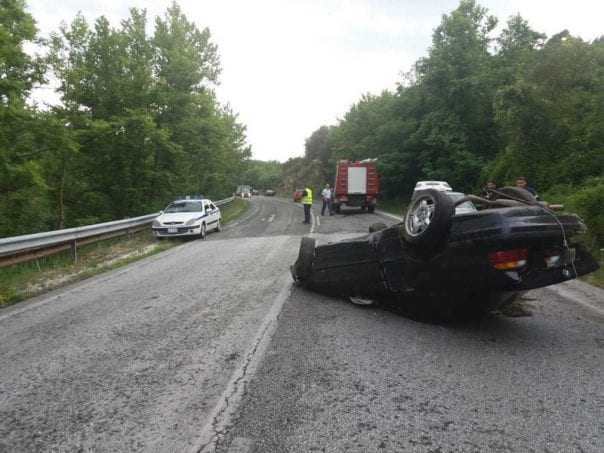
[184, 206]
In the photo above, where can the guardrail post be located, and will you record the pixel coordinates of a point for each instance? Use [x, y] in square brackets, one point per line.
[74, 250]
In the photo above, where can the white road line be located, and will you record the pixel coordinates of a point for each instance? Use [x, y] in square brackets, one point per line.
[271, 218]
[262, 219]
[387, 214]
[221, 416]
[312, 222]
[577, 298]
[318, 220]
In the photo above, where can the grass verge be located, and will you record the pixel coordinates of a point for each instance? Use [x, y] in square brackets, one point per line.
[234, 210]
[393, 206]
[595, 278]
[25, 280]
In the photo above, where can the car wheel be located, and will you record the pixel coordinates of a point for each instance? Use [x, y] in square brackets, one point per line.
[302, 269]
[428, 218]
[377, 226]
[218, 226]
[202, 232]
[516, 193]
[371, 208]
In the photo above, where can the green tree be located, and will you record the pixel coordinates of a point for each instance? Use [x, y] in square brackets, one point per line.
[23, 203]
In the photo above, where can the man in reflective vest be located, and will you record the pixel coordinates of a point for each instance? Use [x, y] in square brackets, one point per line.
[307, 203]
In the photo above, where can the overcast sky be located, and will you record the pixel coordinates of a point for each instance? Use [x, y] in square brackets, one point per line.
[290, 66]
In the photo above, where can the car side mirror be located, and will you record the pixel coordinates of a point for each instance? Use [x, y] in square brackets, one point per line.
[161, 212]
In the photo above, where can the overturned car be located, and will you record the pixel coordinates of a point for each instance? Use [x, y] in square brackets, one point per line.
[448, 259]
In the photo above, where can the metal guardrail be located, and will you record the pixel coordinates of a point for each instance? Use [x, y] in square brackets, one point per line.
[27, 247]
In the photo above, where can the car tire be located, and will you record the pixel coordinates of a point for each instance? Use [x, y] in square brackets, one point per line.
[218, 226]
[371, 209]
[516, 193]
[202, 232]
[377, 226]
[303, 266]
[428, 219]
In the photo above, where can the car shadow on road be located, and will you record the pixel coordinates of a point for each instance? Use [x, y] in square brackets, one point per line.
[510, 333]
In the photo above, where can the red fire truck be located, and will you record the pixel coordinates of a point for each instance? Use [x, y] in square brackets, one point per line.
[357, 185]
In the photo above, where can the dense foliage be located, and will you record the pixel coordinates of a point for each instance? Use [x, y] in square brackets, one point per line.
[139, 122]
[479, 107]
[262, 175]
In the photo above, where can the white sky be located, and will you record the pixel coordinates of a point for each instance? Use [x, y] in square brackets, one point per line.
[290, 66]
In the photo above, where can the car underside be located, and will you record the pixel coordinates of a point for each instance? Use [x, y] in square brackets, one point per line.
[448, 265]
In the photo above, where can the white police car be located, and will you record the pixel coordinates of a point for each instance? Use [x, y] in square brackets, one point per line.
[187, 217]
[437, 185]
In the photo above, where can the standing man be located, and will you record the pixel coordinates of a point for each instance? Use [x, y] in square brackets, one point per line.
[522, 183]
[326, 195]
[487, 192]
[307, 203]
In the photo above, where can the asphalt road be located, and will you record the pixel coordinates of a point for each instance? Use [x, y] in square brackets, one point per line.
[208, 347]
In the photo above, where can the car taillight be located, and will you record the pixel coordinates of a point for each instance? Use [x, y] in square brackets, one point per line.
[508, 259]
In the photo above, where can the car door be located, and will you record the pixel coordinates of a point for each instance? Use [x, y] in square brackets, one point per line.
[212, 214]
[215, 212]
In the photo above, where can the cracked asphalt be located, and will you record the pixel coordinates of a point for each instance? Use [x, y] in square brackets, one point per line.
[208, 345]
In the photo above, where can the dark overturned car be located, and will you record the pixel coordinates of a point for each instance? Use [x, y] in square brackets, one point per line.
[449, 260]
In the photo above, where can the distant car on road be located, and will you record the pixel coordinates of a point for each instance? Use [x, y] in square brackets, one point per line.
[269, 192]
[187, 217]
[244, 191]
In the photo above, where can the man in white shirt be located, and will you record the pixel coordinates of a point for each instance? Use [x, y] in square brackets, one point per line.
[326, 196]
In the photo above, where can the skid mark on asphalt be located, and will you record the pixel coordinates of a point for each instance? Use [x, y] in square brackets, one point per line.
[223, 413]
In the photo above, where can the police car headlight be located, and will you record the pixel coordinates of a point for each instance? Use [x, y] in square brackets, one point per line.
[156, 223]
[191, 222]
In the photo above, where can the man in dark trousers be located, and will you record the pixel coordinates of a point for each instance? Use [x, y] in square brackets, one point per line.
[326, 196]
[307, 203]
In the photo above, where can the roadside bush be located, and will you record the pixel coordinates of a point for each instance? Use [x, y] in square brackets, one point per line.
[588, 202]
